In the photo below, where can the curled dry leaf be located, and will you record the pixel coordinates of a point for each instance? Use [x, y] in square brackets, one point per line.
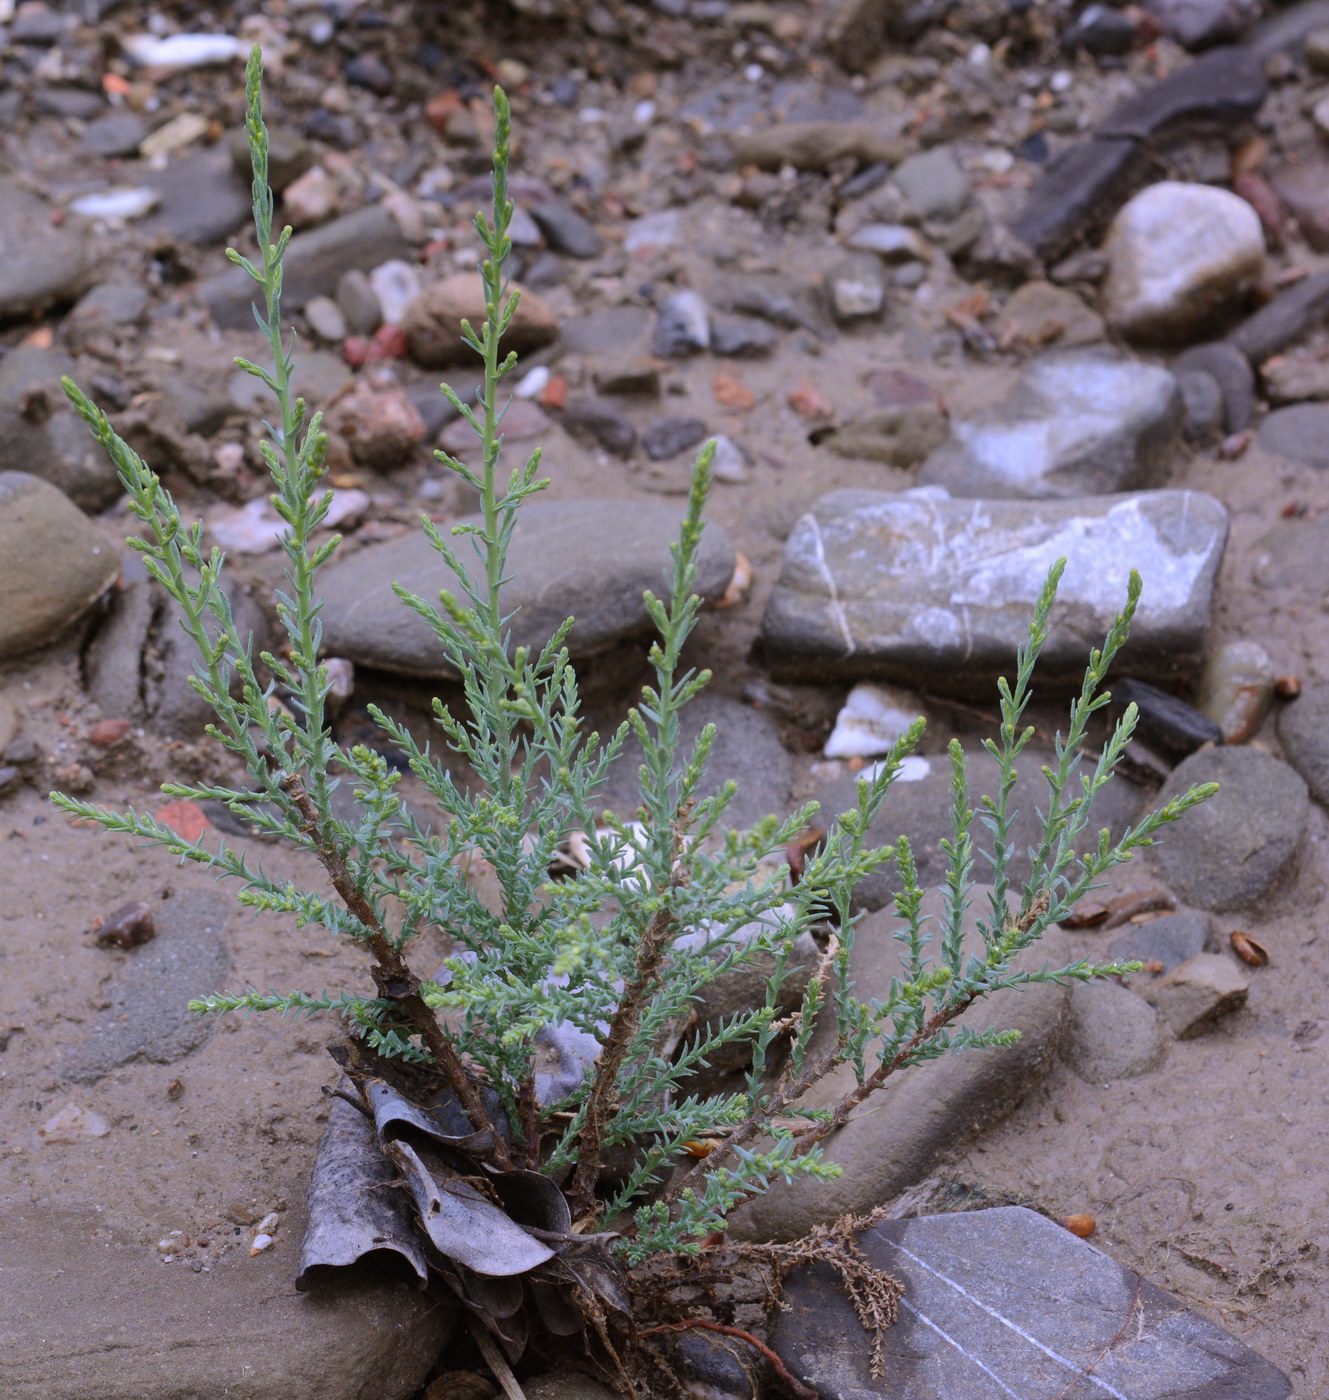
[1287, 687]
[1248, 949]
[796, 852]
[1123, 908]
[1082, 1225]
[1086, 914]
[739, 584]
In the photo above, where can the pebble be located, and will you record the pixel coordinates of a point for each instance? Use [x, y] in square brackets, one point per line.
[872, 719]
[1202, 404]
[1101, 31]
[432, 322]
[311, 199]
[923, 588]
[54, 563]
[892, 243]
[1039, 314]
[1299, 432]
[522, 422]
[1236, 689]
[1197, 24]
[359, 303]
[1165, 720]
[554, 576]
[933, 184]
[1304, 190]
[730, 463]
[1076, 423]
[1168, 941]
[40, 263]
[289, 155]
[1007, 1293]
[183, 50]
[599, 424]
[326, 320]
[1284, 319]
[566, 231]
[901, 435]
[129, 926]
[1194, 996]
[856, 288]
[1231, 371]
[741, 337]
[651, 232]
[814, 145]
[1303, 731]
[1182, 256]
[1113, 1033]
[1295, 378]
[115, 134]
[1231, 851]
[72, 1124]
[395, 285]
[668, 437]
[682, 327]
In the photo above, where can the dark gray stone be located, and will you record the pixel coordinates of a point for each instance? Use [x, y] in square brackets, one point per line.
[202, 199]
[773, 297]
[314, 264]
[599, 425]
[78, 103]
[1165, 720]
[555, 575]
[566, 231]
[1171, 939]
[1223, 87]
[1286, 318]
[41, 434]
[1303, 730]
[1101, 31]
[1299, 432]
[1202, 402]
[741, 337]
[1286, 30]
[41, 265]
[1113, 1034]
[1005, 1302]
[115, 134]
[1077, 194]
[1231, 851]
[747, 749]
[1079, 423]
[1196, 24]
[1232, 372]
[113, 659]
[359, 302]
[668, 437]
[147, 1016]
[917, 587]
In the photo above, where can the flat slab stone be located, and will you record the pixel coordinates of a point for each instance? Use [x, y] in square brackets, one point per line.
[591, 559]
[1005, 1303]
[87, 1317]
[918, 587]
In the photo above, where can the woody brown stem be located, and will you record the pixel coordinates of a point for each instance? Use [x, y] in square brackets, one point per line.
[392, 975]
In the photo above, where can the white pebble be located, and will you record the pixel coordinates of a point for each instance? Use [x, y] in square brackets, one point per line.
[117, 205]
[873, 718]
[183, 50]
[269, 1223]
[1061, 81]
[644, 112]
[533, 382]
[396, 284]
[260, 1243]
[912, 770]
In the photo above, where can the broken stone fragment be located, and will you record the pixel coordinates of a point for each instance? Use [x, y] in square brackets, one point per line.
[1193, 997]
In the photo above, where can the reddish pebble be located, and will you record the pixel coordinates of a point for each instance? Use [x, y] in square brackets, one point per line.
[130, 925]
[1287, 687]
[355, 351]
[555, 393]
[388, 342]
[108, 731]
[1082, 1225]
[806, 401]
[185, 818]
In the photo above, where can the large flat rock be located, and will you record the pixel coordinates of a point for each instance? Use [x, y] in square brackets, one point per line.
[591, 559]
[87, 1317]
[921, 588]
[1006, 1303]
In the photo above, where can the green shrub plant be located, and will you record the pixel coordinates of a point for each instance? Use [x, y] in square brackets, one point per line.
[606, 949]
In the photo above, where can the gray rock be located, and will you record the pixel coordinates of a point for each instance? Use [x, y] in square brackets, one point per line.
[1196, 24]
[1100, 31]
[774, 297]
[814, 145]
[1113, 1034]
[924, 1110]
[110, 304]
[611, 328]
[1299, 432]
[202, 199]
[1170, 939]
[1236, 689]
[901, 436]
[1230, 852]
[932, 183]
[918, 806]
[1294, 554]
[325, 319]
[289, 155]
[600, 425]
[892, 243]
[314, 264]
[918, 587]
[1077, 423]
[554, 575]
[54, 563]
[147, 1016]
[669, 437]
[683, 326]
[1165, 720]
[359, 302]
[1224, 88]
[1076, 194]
[1006, 1302]
[168, 1333]
[42, 435]
[747, 749]
[1302, 189]
[1231, 371]
[1286, 318]
[201, 405]
[566, 231]
[1200, 992]
[113, 659]
[115, 134]
[1182, 257]
[78, 103]
[1202, 403]
[1303, 730]
[41, 265]
[856, 288]
[741, 337]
